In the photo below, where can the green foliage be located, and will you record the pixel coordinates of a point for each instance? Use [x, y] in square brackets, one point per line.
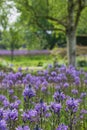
[16, 38]
[40, 63]
[11, 39]
[36, 18]
[82, 63]
[82, 27]
[4, 41]
[29, 61]
[47, 15]
[34, 40]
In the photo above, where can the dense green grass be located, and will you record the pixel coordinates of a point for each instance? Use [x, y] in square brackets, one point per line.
[29, 61]
[34, 61]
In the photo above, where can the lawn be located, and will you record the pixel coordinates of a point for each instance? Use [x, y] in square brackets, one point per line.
[36, 61]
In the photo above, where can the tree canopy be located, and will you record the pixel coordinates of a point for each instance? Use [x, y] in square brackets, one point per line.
[37, 16]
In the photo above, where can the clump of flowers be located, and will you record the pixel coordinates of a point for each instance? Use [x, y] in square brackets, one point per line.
[62, 127]
[23, 128]
[3, 125]
[72, 104]
[28, 92]
[54, 99]
[59, 96]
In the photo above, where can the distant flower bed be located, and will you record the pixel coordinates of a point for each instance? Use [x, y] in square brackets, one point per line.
[53, 99]
[24, 52]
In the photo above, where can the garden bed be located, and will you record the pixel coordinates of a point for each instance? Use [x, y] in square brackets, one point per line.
[53, 99]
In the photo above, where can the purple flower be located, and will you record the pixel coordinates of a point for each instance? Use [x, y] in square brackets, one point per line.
[28, 92]
[15, 97]
[66, 85]
[53, 73]
[6, 103]
[1, 114]
[11, 115]
[15, 104]
[84, 94]
[45, 83]
[18, 82]
[11, 91]
[83, 111]
[59, 96]
[50, 66]
[62, 127]
[77, 80]
[3, 125]
[57, 87]
[2, 98]
[14, 114]
[25, 81]
[10, 83]
[18, 75]
[44, 89]
[85, 81]
[30, 115]
[74, 91]
[55, 107]
[41, 107]
[47, 115]
[20, 69]
[25, 116]
[23, 128]
[72, 104]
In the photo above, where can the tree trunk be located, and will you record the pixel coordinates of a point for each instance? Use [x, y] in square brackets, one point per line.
[12, 51]
[71, 48]
[71, 34]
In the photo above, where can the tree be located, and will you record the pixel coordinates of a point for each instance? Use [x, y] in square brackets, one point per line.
[74, 12]
[63, 15]
[4, 11]
[16, 40]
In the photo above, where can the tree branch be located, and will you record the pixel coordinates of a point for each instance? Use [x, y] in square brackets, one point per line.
[53, 19]
[30, 8]
[47, 29]
[81, 6]
[84, 3]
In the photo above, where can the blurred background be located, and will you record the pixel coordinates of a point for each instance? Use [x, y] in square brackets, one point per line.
[28, 39]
